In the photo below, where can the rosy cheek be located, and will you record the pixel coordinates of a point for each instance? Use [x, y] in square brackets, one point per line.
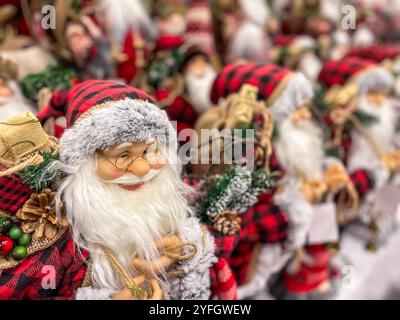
[106, 171]
[157, 165]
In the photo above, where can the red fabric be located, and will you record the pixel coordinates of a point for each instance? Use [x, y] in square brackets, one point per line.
[231, 78]
[224, 285]
[13, 193]
[183, 113]
[310, 275]
[263, 223]
[284, 39]
[168, 42]
[376, 53]
[338, 72]
[127, 69]
[25, 280]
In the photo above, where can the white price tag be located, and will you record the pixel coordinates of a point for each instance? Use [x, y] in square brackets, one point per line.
[387, 200]
[324, 225]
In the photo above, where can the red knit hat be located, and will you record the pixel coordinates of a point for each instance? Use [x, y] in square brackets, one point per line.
[376, 53]
[104, 113]
[364, 73]
[168, 42]
[282, 90]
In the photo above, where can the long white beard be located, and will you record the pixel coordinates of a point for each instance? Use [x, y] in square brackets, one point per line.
[127, 223]
[199, 89]
[299, 149]
[310, 65]
[381, 133]
[16, 104]
[125, 14]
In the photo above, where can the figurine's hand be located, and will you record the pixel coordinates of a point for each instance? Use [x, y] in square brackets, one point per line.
[391, 160]
[163, 262]
[314, 190]
[336, 177]
[127, 294]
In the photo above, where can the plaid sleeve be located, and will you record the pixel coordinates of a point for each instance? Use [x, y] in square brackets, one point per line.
[224, 245]
[223, 283]
[263, 223]
[180, 110]
[363, 182]
[269, 223]
[26, 280]
[13, 193]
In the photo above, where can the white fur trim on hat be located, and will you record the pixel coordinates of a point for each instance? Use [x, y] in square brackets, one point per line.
[297, 92]
[117, 122]
[375, 78]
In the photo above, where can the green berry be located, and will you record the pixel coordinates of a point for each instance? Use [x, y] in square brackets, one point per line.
[25, 239]
[15, 233]
[5, 224]
[19, 252]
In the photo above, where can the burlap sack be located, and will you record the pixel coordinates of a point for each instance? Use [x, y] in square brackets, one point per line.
[21, 139]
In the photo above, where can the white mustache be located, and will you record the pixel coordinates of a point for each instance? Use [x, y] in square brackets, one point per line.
[130, 178]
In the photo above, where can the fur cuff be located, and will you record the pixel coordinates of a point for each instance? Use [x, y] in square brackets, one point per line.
[90, 293]
[194, 283]
[299, 212]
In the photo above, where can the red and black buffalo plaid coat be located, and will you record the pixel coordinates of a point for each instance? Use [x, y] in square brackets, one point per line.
[263, 223]
[338, 73]
[69, 265]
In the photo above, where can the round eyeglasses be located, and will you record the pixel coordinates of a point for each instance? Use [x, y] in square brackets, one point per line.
[152, 155]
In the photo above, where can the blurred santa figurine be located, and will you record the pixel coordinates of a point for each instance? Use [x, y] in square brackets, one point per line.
[182, 81]
[130, 30]
[363, 122]
[249, 39]
[303, 185]
[199, 27]
[12, 101]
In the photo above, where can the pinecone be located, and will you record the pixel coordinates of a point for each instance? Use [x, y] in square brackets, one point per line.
[227, 223]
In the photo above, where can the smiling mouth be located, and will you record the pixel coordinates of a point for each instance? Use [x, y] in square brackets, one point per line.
[131, 187]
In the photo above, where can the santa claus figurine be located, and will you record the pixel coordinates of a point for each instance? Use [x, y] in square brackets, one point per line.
[297, 53]
[247, 36]
[76, 39]
[303, 183]
[388, 56]
[363, 123]
[12, 101]
[147, 240]
[131, 32]
[181, 81]
[199, 27]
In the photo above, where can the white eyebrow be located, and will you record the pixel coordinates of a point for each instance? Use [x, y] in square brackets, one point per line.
[124, 145]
